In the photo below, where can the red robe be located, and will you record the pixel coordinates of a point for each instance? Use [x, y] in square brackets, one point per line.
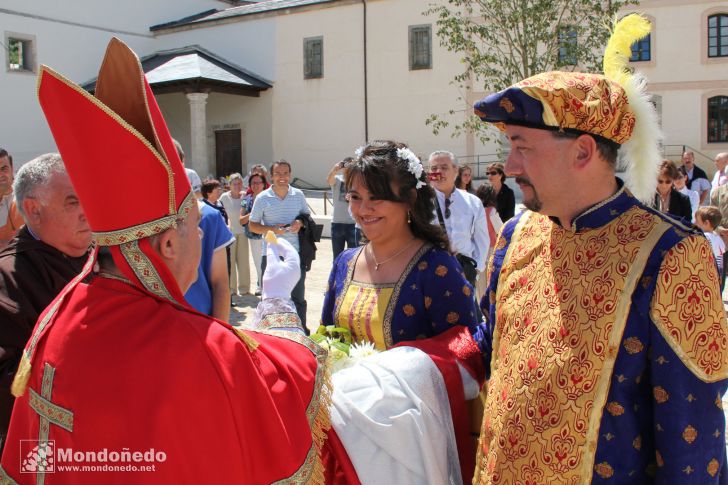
[133, 372]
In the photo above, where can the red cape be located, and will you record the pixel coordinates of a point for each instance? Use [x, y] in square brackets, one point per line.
[136, 373]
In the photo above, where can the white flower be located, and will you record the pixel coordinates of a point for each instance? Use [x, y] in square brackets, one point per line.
[414, 166]
[362, 350]
[359, 152]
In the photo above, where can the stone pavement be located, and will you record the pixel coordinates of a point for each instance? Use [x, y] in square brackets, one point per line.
[316, 280]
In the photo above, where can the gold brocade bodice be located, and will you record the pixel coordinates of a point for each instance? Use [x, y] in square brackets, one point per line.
[362, 312]
[562, 302]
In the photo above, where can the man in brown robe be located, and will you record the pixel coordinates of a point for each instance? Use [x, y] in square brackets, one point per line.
[48, 252]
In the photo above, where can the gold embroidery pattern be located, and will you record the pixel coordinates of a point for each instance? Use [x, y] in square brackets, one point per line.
[553, 355]
[121, 236]
[6, 479]
[507, 105]
[44, 428]
[52, 412]
[688, 310]
[690, 434]
[279, 320]
[317, 412]
[713, 467]
[577, 101]
[389, 313]
[144, 269]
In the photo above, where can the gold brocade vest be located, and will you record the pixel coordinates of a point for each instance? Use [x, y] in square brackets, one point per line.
[562, 302]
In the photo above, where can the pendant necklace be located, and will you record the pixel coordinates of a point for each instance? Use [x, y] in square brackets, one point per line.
[378, 264]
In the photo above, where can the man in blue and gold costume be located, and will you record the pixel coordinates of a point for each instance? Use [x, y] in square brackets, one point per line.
[609, 342]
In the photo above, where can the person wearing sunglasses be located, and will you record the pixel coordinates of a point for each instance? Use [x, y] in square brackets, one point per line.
[505, 198]
[667, 198]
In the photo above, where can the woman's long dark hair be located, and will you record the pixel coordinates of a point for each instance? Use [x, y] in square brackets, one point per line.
[383, 172]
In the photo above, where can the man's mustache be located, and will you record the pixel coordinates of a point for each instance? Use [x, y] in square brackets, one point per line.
[523, 181]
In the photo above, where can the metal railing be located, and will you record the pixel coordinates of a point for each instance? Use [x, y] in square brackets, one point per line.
[674, 153]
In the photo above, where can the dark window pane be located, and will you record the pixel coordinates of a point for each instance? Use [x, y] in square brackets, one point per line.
[712, 21]
[718, 119]
[420, 47]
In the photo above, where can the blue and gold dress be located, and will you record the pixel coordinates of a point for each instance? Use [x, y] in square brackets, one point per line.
[610, 351]
[430, 297]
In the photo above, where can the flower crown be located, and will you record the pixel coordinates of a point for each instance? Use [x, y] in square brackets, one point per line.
[414, 166]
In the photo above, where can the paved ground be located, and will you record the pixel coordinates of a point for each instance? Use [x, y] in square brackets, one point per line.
[315, 279]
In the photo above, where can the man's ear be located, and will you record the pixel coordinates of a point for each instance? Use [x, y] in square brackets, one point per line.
[32, 209]
[585, 148]
[168, 243]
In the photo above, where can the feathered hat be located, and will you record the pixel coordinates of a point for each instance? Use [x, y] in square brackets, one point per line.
[613, 107]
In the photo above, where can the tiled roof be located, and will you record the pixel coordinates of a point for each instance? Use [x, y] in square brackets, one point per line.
[194, 64]
[258, 7]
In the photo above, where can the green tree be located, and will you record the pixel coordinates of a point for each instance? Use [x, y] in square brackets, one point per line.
[504, 41]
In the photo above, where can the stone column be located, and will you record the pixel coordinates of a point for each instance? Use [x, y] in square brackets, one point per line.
[197, 160]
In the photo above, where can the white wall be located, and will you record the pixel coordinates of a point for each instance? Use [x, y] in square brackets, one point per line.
[681, 73]
[75, 51]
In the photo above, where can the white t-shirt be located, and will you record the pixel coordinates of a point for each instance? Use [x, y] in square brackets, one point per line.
[716, 242]
[232, 207]
[194, 179]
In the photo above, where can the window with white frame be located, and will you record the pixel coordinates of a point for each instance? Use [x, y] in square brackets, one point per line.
[420, 47]
[313, 58]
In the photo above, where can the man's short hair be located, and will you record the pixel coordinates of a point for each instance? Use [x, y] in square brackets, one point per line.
[4, 153]
[606, 148]
[444, 153]
[280, 162]
[180, 152]
[235, 176]
[709, 213]
[34, 176]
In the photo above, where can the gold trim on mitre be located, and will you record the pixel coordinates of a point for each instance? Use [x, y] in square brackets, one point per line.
[152, 228]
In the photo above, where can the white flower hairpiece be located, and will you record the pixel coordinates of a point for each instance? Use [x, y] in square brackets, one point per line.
[359, 152]
[414, 166]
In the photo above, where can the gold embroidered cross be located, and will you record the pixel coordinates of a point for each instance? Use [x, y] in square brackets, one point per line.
[49, 412]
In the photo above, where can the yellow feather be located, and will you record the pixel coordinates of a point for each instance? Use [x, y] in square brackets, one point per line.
[626, 32]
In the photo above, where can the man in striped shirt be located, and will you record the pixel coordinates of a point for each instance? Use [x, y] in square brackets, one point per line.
[277, 209]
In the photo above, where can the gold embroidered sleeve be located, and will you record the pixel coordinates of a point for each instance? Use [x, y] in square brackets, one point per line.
[687, 309]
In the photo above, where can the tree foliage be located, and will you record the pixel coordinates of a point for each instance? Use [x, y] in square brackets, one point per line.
[505, 41]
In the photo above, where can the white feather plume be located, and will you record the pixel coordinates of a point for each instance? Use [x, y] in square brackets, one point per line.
[641, 154]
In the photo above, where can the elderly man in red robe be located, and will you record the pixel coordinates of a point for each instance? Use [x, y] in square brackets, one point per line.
[122, 381]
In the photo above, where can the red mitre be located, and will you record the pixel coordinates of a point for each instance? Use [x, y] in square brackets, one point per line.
[118, 136]
[122, 162]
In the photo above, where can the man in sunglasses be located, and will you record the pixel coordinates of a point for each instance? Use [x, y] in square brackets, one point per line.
[461, 215]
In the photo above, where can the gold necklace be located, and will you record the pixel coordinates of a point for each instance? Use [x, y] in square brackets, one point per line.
[378, 264]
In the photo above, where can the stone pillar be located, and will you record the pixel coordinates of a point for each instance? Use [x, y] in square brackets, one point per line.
[197, 159]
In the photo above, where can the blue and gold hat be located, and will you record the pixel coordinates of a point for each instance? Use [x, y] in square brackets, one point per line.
[565, 101]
